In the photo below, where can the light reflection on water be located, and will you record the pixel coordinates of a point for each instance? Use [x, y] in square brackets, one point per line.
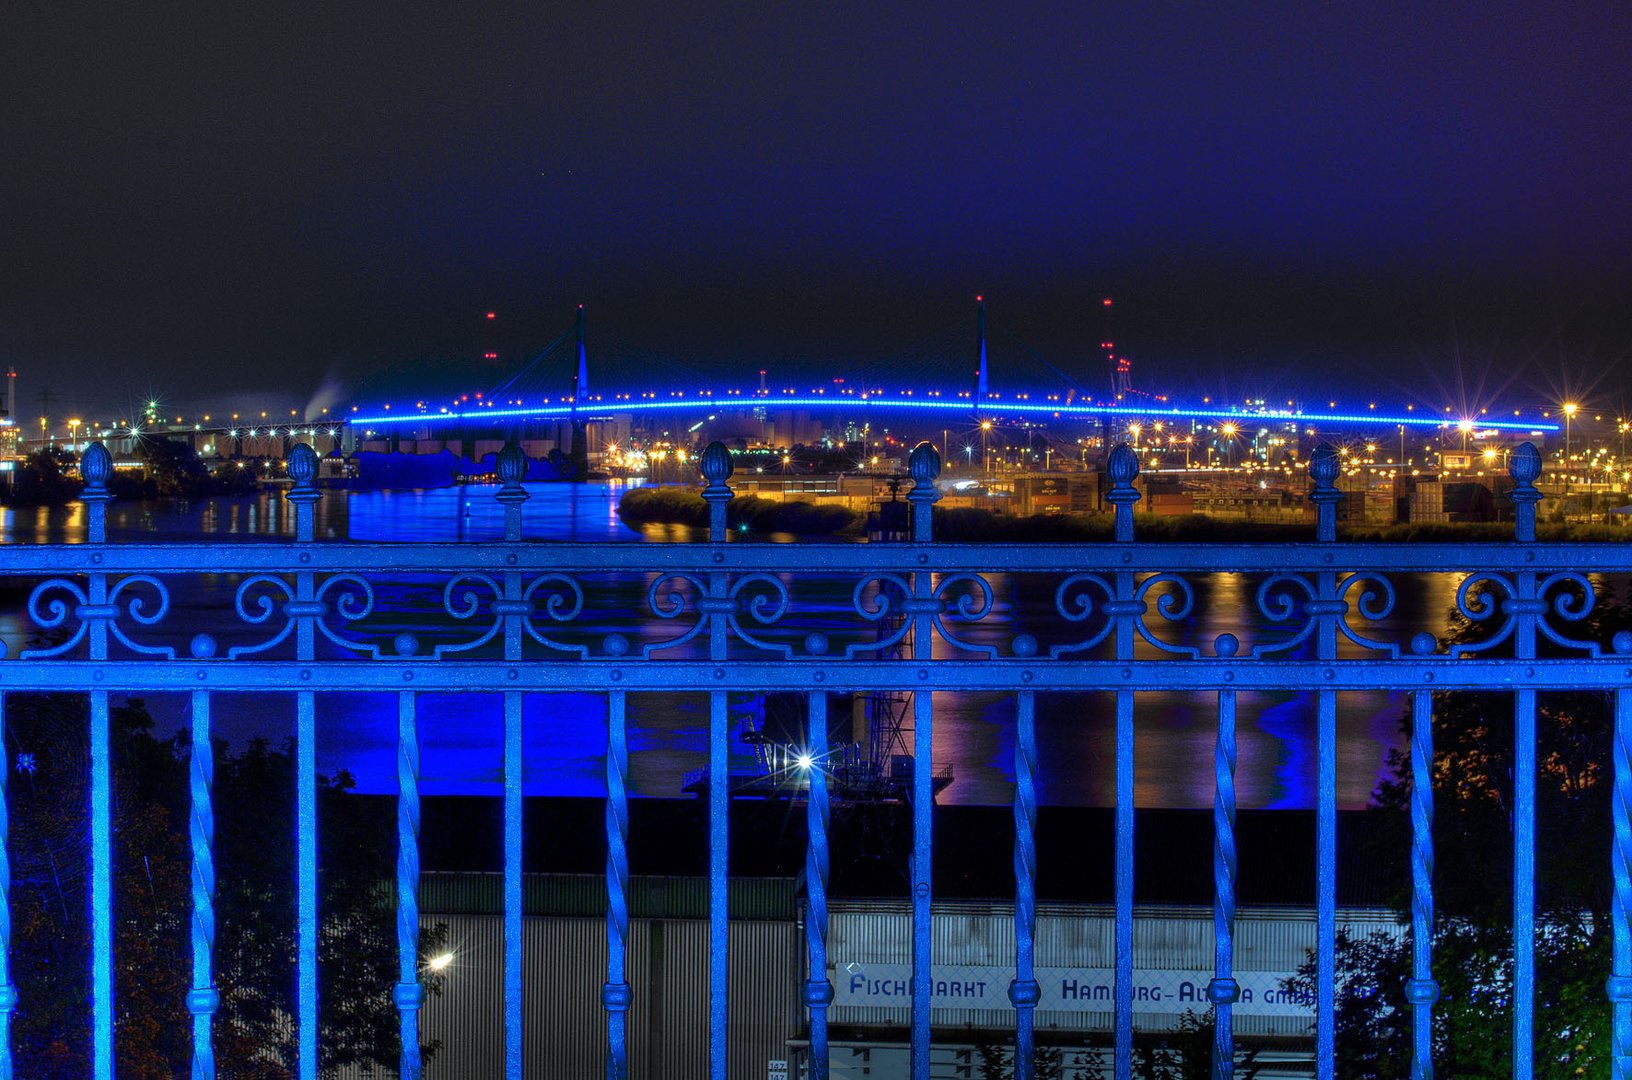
[565, 733]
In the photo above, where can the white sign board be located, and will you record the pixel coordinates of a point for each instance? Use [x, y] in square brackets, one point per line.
[874, 986]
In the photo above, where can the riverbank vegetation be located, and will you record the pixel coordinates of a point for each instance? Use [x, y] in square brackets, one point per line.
[684, 506]
[50, 477]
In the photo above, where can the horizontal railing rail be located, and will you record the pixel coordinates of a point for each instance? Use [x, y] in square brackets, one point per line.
[514, 617]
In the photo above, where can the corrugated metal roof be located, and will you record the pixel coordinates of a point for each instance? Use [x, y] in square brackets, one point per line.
[584, 895]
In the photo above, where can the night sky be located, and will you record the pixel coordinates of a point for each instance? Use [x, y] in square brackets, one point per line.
[200, 202]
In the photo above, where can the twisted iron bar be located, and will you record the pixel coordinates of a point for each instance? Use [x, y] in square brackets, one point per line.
[1420, 989]
[8, 992]
[1620, 980]
[408, 995]
[1223, 991]
[818, 988]
[616, 995]
[1023, 991]
[202, 1000]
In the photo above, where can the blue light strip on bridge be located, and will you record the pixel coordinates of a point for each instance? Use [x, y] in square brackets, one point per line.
[960, 405]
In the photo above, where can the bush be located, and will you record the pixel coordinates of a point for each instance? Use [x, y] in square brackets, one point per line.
[684, 506]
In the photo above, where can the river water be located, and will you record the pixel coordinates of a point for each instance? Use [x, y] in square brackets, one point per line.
[565, 734]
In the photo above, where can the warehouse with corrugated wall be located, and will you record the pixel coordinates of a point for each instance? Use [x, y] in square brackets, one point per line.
[869, 949]
[564, 966]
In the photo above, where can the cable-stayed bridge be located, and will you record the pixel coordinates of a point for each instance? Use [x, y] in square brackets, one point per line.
[952, 374]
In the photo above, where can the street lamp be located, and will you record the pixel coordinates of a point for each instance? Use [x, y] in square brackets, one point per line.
[1570, 409]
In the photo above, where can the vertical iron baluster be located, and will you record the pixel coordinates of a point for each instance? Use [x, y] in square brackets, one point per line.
[8, 992]
[96, 467]
[302, 467]
[1325, 609]
[512, 469]
[716, 469]
[1421, 990]
[1223, 991]
[1619, 986]
[1123, 467]
[512, 886]
[616, 994]
[925, 465]
[1524, 466]
[408, 994]
[1023, 991]
[203, 999]
[818, 988]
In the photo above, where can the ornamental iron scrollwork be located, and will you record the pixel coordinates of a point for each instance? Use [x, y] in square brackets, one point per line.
[1485, 594]
[353, 601]
[767, 601]
[666, 598]
[971, 605]
[263, 587]
[1375, 603]
[1281, 598]
[463, 590]
[562, 603]
[56, 611]
[1073, 602]
[1569, 606]
[1175, 600]
[461, 599]
[1476, 601]
[888, 600]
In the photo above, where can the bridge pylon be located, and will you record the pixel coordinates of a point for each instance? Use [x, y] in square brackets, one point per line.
[579, 451]
[982, 374]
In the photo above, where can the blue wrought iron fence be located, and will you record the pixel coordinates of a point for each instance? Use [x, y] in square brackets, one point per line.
[732, 606]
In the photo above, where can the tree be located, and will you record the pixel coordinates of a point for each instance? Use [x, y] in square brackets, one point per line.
[42, 479]
[173, 467]
[1473, 782]
[254, 857]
